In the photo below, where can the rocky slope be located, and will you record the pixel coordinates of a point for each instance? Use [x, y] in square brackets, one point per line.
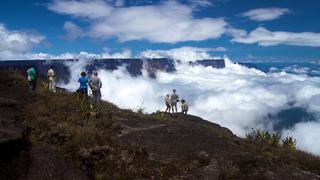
[61, 136]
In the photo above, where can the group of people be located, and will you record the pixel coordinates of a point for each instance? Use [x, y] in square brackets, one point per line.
[95, 85]
[172, 101]
[94, 82]
[33, 76]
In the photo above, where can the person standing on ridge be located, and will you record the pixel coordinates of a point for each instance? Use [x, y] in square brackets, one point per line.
[32, 78]
[167, 101]
[51, 79]
[184, 107]
[95, 85]
[174, 99]
[83, 80]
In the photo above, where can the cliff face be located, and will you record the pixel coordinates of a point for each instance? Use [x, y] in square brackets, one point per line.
[73, 140]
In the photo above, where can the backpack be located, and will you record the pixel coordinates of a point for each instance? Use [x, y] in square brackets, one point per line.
[174, 98]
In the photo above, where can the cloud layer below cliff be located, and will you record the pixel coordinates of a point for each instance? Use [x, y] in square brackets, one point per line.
[236, 97]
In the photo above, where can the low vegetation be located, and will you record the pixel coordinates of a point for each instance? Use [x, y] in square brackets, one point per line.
[89, 135]
[274, 139]
[275, 147]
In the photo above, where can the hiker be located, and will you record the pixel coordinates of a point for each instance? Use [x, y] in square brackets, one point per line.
[167, 101]
[174, 99]
[95, 85]
[184, 107]
[51, 79]
[32, 78]
[83, 80]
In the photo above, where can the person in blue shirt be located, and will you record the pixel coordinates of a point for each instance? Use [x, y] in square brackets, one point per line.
[83, 80]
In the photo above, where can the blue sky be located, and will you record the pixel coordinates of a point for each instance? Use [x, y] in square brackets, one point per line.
[243, 30]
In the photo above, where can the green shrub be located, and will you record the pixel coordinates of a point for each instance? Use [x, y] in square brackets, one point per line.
[275, 139]
[259, 136]
[140, 110]
[289, 142]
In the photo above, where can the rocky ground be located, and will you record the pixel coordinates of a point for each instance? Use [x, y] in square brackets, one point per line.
[60, 136]
[19, 157]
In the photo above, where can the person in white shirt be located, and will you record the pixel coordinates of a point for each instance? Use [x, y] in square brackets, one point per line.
[51, 79]
[167, 101]
[184, 107]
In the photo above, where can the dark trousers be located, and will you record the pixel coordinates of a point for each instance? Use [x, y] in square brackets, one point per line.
[168, 107]
[84, 91]
[32, 85]
[96, 96]
[83, 94]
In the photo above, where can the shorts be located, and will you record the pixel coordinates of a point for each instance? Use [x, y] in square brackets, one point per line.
[84, 91]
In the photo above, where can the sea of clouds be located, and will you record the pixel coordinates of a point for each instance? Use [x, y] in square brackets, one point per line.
[236, 97]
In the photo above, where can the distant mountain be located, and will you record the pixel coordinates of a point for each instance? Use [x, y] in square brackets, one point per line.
[134, 66]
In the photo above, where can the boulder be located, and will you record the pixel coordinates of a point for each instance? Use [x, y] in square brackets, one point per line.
[211, 171]
[13, 132]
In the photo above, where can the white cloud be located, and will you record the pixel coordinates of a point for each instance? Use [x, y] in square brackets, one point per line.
[167, 22]
[307, 135]
[264, 37]
[45, 56]
[236, 97]
[15, 44]
[186, 53]
[265, 14]
[237, 32]
[119, 3]
[81, 55]
[73, 31]
[76, 67]
[297, 70]
[200, 3]
[183, 54]
[83, 9]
